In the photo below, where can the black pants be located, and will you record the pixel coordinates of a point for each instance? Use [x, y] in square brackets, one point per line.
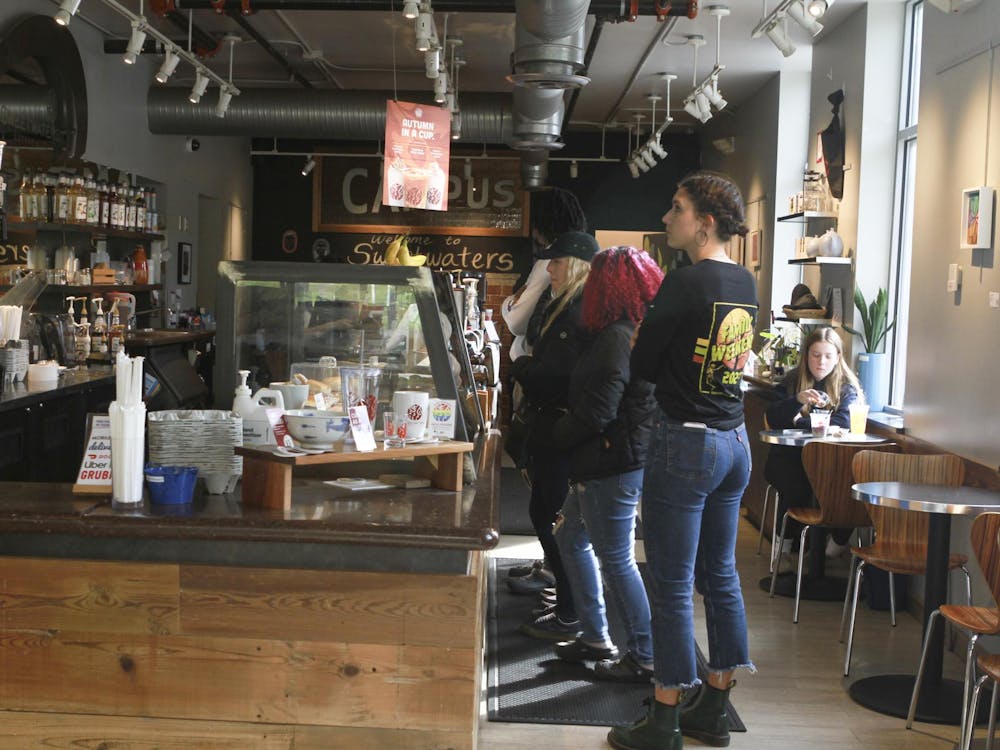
[784, 471]
[549, 487]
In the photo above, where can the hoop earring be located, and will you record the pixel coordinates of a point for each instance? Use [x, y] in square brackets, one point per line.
[701, 238]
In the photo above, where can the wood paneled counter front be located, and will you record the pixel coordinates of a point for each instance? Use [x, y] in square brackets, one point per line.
[351, 620]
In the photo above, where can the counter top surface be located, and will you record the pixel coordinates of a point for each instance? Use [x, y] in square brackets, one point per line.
[165, 337]
[319, 514]
[25, 392]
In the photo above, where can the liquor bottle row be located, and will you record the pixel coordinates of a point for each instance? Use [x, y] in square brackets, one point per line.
[64, 199]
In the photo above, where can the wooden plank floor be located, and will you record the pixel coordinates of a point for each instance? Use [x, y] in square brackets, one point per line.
[798, 697]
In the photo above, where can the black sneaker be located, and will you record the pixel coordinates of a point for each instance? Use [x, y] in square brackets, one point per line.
[626, 669]
[533, 583]
[578, 651]
[519, 571]
[551, 628]
[543, 610]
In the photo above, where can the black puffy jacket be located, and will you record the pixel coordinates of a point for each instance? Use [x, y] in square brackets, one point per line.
[610, 413]
[544, 374]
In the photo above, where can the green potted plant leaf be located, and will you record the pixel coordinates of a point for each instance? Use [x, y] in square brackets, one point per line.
[873, 367]
[874, 319]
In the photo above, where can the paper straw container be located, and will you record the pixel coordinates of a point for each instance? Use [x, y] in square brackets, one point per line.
[170, 485]
[128, 433]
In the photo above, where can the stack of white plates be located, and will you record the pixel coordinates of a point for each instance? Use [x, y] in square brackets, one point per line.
[203, 438]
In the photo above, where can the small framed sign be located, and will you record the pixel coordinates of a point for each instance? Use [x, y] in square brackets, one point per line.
[977, 218]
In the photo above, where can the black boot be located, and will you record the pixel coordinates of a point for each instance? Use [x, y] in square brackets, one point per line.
[656, 731]
[706, 718]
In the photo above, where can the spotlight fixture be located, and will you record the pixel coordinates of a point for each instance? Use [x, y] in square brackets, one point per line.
[633, 169]
[818, 8]
[574, 169]
[711, 92]
[657, 148]
[456, 125]
[641, 163]
[441, 88]
[225, 96]
[692, 105]
[779, 37]
[67, 9]
[467, 169]
[135, 42]
[308, 166]
[410, 10]
[200, 84]
[797, 12]
[426, 31]
[170, 60]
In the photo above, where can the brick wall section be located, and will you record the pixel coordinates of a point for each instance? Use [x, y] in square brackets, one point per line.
[499, 286]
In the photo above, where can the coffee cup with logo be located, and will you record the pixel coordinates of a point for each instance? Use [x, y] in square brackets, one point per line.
[411, 407]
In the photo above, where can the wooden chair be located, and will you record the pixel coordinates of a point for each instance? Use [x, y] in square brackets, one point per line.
[985, 542]
[900, 535]
[989, 665]
[828, 466]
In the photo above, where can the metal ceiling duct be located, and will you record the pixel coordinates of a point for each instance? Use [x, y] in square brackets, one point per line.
[315, 114]
[548, 59]
[549, 43]
[27, 110]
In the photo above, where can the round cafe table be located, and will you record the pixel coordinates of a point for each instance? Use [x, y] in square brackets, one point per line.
[940, 700]
[816, 585]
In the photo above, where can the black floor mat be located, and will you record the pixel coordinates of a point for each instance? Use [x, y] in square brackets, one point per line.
[527, 683]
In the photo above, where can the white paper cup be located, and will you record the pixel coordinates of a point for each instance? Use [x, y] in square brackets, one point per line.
[412, 407]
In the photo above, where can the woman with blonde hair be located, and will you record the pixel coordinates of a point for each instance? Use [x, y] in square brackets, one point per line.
[544, 378]
[822, 380]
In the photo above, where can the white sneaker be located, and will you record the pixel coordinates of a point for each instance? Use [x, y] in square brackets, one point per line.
[834, 550]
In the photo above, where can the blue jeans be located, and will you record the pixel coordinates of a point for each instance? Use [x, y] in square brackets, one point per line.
[598, 523]
[695, 477]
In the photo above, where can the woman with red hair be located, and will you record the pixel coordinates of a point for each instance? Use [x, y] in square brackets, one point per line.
[606, 430]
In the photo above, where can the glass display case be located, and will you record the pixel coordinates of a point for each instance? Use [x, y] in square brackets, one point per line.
[276, 319]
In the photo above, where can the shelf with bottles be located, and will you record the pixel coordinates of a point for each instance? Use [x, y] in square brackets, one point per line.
[128, 234]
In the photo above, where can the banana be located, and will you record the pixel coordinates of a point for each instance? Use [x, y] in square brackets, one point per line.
[392, 252]
[405, 259]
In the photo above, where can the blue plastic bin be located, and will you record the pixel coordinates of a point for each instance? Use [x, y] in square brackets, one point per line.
[170, 485]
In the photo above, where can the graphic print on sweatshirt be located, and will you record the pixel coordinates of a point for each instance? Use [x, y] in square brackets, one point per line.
[723, 353]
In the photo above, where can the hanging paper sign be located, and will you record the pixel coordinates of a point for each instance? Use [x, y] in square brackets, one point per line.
[417, 150]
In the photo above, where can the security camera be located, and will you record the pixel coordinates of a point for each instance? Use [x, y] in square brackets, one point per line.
[192, 144]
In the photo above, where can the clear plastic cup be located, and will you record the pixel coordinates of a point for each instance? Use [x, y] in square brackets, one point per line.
[391, 430]
[859, 418]
[819, 420]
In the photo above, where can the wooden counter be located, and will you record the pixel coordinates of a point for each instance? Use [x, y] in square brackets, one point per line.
[347, 621]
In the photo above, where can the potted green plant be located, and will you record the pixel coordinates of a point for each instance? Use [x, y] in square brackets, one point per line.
[873, 364]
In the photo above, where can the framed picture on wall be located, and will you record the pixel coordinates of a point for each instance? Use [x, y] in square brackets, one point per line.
[183, 262]
[755, 239]
[977, 218]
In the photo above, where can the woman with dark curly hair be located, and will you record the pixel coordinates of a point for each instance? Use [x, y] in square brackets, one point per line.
[606, 432]
[693, 345]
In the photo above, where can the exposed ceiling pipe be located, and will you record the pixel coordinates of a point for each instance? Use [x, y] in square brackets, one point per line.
[595, 37]
[315, 114]
[203, 44]
[269, 48]
[615, 10]
[653, 45]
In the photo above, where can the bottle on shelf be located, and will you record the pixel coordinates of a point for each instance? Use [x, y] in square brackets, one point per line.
[140, 213]
[23, 197]
[140, 265]
[117, 218]
[152, 216]
[61, 196]
[93, 202]
[79, 202]
[129, 208]
[104, 211]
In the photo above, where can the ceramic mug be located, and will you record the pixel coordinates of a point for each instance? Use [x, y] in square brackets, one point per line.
[411, 406]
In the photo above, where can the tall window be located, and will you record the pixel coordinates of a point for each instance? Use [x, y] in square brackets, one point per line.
[906, 165]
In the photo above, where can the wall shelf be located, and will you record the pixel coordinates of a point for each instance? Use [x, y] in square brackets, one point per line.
[803, 216]
[821, 261]
[81, 229]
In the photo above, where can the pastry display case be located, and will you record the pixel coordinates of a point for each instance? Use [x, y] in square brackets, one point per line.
[278, 319]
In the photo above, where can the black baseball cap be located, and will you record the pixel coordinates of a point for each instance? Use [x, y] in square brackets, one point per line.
[574, 244]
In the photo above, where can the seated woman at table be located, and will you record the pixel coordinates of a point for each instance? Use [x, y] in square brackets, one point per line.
[822, 380]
